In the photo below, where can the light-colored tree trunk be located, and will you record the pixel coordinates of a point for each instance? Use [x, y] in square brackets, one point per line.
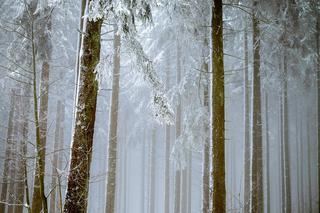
[298, 160]
[143, 184]
[302, 174]
[257, 161]
[283, 195]
[57, 149]
[6, 167]
[153, 171]
[189, 198]
[167, 151]
[246, 91]
[267, 153]
[113, 128]
[309, 166]
[43, 112]
[81, 151]
[177, 189]
[218, 113]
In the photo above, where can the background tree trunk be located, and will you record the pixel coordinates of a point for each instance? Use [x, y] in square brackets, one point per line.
[153, 171]
[113, 128]
[6, 167]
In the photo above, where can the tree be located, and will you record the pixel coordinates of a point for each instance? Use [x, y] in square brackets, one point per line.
[113, 128]
[81, 151]
[218, 131]
[9, 145]
[257, 166]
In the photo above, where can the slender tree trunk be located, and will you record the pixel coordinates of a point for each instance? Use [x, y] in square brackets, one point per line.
[302, 166]
[257, 164]
[153, 172]
[167, 152]
[44, 96]
[267, 154]
[143, 173]
[286, 138]
[318, 99]
[218, 131]
[177, 192]
[81, 152]
[6, 167]
[55, 167]
[113, 143]
[283, 195]
[298, 161]
[61, 145]
[189, 198]
[309, 166]
[246, 127]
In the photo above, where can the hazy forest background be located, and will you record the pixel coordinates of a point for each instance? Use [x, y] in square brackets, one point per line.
[149, 106]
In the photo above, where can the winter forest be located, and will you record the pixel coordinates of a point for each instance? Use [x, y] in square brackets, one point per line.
[152, 106]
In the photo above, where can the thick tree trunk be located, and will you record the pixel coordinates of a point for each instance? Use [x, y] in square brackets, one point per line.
[113, 128]
[257, 165]
[6, 167]
[81, 152]
[57, 148]
[218, 131]
[246, 128]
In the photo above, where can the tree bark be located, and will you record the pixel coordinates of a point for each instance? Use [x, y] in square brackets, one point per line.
[257, 164]
[167, 152]
[218, 131]
[246, 127]
[6, 167]
[177, 190]
[81, 152]
[113, 128]
[57, 148]
[43, 112]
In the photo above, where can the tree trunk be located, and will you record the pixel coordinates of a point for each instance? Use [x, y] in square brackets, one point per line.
[189, 198]
[267, 155]
[286, 138]
[302, 166]
[113, 128]
[218, 131]
[309, 166]
[298, 161]
[57, 148]
[81, 152]
[283, 195]
[177, 193]
[143, 172]
[257, 165]
[246, 127]
[6, 167]
[167, 152]
[153, 172]
[44, 95]
[206, 147]
[21, 159]
[318, 99]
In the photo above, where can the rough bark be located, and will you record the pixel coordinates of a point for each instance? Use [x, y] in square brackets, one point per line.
[246, 127]
[218, 131]
[113, 128]
[6, 167]
[257, 164]
[81, 152]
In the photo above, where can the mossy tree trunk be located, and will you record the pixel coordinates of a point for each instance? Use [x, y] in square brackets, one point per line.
[81, 151]
[218, 131]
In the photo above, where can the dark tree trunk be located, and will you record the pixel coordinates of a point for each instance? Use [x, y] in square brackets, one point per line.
[218, 130]
[81, 152]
